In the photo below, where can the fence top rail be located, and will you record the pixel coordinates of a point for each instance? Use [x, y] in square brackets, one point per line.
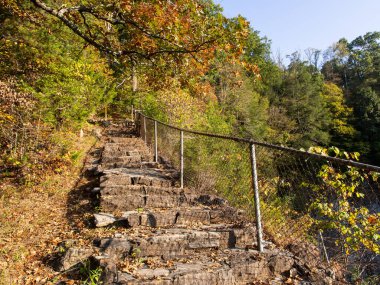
[272, 146]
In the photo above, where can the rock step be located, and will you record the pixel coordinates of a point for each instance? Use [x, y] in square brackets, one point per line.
[122, 147]
[170, 217]
[110, 156]
[138, 176]
[161, 170]
[177, 242]
[224, 268]
[138, 142]
[121, 166]
[115, 150]
[125, 160]
[118, 144]
[132, 197]
[119, 133]
[160, 218]
[128, 161]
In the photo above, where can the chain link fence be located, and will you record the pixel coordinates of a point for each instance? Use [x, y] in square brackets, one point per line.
[329, 203]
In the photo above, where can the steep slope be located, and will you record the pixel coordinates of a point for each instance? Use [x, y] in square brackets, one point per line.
[169, 235]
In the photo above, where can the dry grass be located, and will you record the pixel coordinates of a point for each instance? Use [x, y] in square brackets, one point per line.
[35, 219]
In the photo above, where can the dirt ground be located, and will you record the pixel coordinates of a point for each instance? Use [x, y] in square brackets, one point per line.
[35, 219]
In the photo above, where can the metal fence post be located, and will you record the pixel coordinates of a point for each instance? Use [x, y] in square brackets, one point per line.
[326, 256]
[155, 142]
[144, 129]
[140, 118]
[181, 158]
[255, 186]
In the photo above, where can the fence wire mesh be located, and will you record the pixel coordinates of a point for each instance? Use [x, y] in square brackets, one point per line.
[168, 145]
[146, 131]
[216, 166]
[330, 204]
[324, 203]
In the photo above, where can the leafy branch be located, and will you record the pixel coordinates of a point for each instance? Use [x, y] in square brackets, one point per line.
[339, 205]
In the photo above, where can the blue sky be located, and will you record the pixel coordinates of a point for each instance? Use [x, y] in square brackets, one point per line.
[295, 25]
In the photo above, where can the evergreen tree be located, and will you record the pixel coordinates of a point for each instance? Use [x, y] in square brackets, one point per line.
[301, 96]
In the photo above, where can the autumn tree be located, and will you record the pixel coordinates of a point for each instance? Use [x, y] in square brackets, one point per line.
[167, 35]
[341, 130]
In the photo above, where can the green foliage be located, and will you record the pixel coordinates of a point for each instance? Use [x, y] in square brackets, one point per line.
[245, 108]
[90, 276]
[216, 121]
[69, 81]
[19, 56]
[355, 66]
[75, 83]
[221, 166]
[301, 96]
[180, 108]
[72, 91]
[341, 131]
[340, 207]
[333, 96]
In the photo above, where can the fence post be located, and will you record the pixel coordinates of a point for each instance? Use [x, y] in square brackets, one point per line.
[326, 256]
[144, 129]
[255, 186]
[155, 142]
[139, 120]
[181, 158]
[132, 114]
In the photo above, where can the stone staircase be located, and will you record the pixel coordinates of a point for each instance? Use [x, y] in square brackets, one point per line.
[177, 236]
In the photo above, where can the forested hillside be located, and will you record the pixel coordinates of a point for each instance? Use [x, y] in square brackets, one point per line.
[64, 64]
[185, 63]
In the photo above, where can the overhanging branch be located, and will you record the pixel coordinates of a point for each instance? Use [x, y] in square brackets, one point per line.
[170, 47]
[60, 15]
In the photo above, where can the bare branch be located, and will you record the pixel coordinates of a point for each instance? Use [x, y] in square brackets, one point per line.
[86, 24]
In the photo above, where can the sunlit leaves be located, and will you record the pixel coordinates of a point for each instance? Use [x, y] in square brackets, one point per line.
[168, 36]
[339, 204]
[181, 108]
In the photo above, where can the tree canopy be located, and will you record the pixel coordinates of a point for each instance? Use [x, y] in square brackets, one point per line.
[158, 54]
[173, 34]
[355, 67]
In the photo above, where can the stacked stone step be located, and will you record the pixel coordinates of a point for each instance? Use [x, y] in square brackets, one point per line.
[119, 128]
[175, 236]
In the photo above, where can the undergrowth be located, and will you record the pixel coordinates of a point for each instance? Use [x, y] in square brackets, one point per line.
[90, 275]
[34, 190]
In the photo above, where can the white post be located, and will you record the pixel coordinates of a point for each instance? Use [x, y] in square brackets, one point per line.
[181, 158]
[155, 142]
[255, 186]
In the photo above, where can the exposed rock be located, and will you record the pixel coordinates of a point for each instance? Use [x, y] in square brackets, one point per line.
[104, 219]
[281, 263]
[115, 248]
[308, 253]
[210, 200]
[96, 190]
[176, 236]
[147, 273]
[74, 256]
